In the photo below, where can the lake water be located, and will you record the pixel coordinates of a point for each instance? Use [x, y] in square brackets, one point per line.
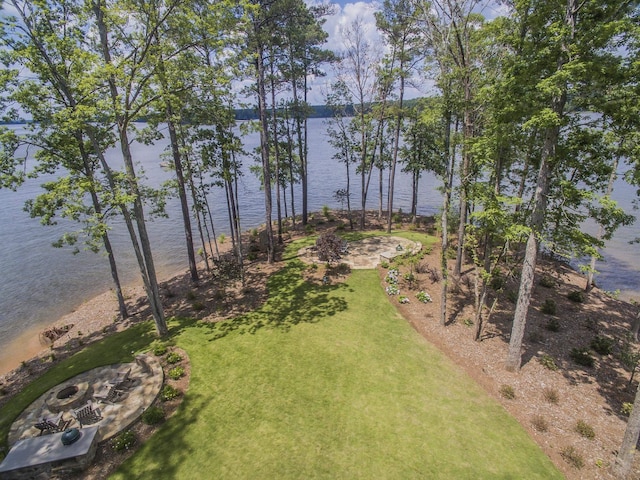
[40, 283]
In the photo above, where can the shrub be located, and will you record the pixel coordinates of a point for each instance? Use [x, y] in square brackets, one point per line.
[190, 295]
[507, 392]
[468, 322]
[326, 212]
[159, 349]
[553, 325]
[169, 392]
[626, 409]
[392, 289]
[403, 299]
[198, 306]
[602, 345]
[551, 395]
[512, 296]
[222, 237]
[174, 357]
[153, 415]
[175, 373]
[308, 229]
[572, 457]
[384, 264]
[582, 357]
[547, 281]
[548, 361]
[586, 430]
[423, 297]
[536, 337]
[549, 307]
[498, 282]
[540, 423]
[576, 296]
[123, 441]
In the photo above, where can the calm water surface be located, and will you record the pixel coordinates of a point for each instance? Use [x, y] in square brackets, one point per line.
[39, 283]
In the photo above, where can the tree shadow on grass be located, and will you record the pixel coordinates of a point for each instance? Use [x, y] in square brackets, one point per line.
[292, 301]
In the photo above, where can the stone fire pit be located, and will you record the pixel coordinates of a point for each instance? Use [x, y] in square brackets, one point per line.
[67, 396]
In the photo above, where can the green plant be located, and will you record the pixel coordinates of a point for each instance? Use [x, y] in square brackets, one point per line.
[551, 395]
[174, 357]
[254, 232]
[536, 337]
[222, 237]
[251, 256]
[384, 264]
[548, 361]
[158, 349]
[602, 345]
[512, 296]
[468, 322]
[627, 408]
[198, 306]
[169, 392]
[572, 457]
[576, 296]
[308, 229]
[540, 423]
[582, 357]
[549, 307]
[585, 430]
[326, 212]
[507, 392]
[123, 441]
[553, 325]
[175, 373]
[547, 281]
[313, 267]
[153, 415]
[403, 299]
[423, 297]
[190, 295]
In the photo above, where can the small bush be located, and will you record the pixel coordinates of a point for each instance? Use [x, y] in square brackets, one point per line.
[403, 299]
[498, 282]
[159, 349]
[198, 306]
[222, 237]
[582, 357]
[553, 325]
[536, 337]
[586, 430]
[329, 247]
[190, 295]
[169, 392]
[153, 415]
[548, 361]
[174, 357]
[175, 373]
[602, 345]
[123, 441]
[547, 281]
[626, 409]
[551, 395]
[468, 322]
[508, 392]
[576, 296]
[549, 307]
[572, 457]
[540, 423]
[326, 212]
[423, 297]
[512, 296]
[385, 264]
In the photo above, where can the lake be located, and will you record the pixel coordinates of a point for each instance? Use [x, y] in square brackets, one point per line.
[40, 283]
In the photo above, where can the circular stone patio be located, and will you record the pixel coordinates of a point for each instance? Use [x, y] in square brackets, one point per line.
[368, 252]
[140, 392]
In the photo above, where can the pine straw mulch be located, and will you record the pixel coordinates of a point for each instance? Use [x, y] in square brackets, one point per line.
[548, 403]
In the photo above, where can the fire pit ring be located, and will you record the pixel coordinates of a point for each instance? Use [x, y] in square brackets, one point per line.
[66, 396]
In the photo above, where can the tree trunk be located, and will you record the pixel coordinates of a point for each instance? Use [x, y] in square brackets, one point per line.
[624, 459]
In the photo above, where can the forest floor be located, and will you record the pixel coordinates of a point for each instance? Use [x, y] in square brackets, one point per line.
[575, 413]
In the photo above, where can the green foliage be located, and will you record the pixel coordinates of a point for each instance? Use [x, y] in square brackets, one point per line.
[548, 361]
[602, 345]
[221, 238]
[468, 322]
[326, 212]
[512, 296]
[547, 281]
[549, 307]
[582, 357]
[153, 415]
[626, 409]
[190, 295]
[384, 264]
[309, 229]
[423, 297]
[174, 357]
[507, 391]
[403, 299]
[159, 348]
[576, 296]
[175, 373]
[123, 441]
[585, 430]
[553, 325]
[572, 457]
[169, 392]
[198, 306]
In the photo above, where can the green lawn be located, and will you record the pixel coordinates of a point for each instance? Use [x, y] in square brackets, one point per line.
[329, 382]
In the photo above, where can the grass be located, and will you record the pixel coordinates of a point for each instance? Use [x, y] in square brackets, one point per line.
[329, 382]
